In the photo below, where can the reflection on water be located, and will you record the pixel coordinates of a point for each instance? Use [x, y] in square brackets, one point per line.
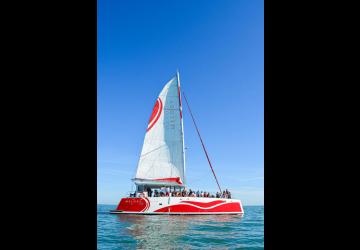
[151, 230]
[121, 231]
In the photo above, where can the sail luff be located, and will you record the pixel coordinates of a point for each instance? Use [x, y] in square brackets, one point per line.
[182, 124]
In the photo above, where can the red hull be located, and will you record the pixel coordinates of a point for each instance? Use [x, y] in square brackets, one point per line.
[179, 205]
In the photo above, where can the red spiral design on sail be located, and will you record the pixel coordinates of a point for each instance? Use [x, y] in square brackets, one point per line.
[155, 114]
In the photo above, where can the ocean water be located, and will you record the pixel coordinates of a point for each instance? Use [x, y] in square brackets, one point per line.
[116, 231]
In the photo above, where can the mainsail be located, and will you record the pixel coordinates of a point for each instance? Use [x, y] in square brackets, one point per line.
[162, 160]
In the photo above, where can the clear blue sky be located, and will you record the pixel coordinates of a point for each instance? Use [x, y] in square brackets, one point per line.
[218, 47]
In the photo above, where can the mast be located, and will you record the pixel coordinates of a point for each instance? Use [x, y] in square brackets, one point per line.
[202, 143]
[182, 123]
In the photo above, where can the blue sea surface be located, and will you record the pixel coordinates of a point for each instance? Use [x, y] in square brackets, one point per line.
[116, 231]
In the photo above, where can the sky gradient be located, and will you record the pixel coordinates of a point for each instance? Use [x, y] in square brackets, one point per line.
[218, 47]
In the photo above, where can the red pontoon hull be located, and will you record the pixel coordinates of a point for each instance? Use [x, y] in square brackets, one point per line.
[178, 205]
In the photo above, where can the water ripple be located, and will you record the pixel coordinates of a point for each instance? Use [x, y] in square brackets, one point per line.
[181, 232]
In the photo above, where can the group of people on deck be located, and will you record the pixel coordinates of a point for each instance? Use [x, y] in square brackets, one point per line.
[163, 192]
[225, 194]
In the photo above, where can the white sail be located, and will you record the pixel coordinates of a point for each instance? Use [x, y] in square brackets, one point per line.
[162, 157]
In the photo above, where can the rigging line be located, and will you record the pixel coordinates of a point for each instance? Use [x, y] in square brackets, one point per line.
[202, 143]
[152, 150]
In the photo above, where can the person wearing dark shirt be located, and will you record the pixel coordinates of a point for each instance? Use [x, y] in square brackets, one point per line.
[228, 194]
[148, 189]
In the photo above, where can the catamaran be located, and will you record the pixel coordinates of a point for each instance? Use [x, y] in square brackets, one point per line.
[162, 165]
